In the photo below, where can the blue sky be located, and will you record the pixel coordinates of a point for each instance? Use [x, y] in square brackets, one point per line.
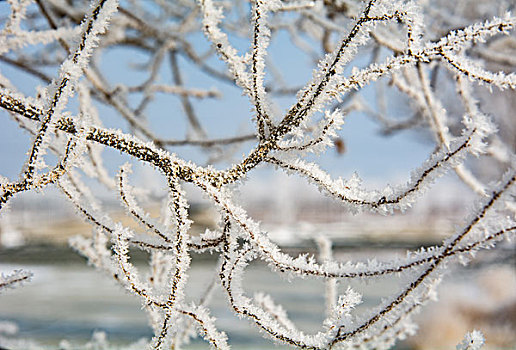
[373, 156]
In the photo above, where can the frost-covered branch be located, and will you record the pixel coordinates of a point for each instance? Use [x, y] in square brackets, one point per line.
[417, 54]
[14, 279]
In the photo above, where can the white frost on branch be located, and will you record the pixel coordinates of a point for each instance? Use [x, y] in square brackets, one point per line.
[14, 279]
[405, 45]
[472, 341]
